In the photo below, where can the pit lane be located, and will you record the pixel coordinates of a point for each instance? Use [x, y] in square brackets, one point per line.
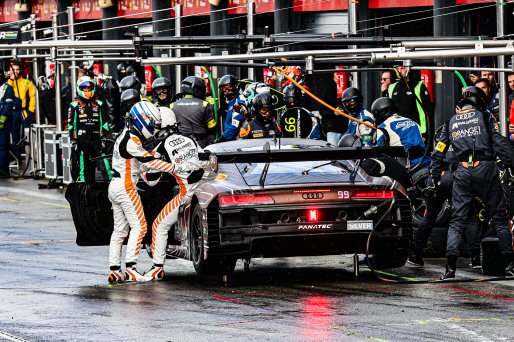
[53, 290]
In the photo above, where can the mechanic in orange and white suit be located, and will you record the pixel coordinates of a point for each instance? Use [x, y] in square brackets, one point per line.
[182, 152]
[129, 156]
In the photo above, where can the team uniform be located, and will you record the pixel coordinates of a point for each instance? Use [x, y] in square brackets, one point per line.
[256, 129]
[475, 139]
[400, 131]
[234, 119]
[86, 125]
[182, 152]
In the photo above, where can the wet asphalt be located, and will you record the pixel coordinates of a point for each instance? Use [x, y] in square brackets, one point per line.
[53, 290]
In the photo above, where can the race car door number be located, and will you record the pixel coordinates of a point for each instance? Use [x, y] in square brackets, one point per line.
[359, 225]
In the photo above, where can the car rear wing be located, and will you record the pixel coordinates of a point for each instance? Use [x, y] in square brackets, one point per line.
[304, 154]
[267, 155]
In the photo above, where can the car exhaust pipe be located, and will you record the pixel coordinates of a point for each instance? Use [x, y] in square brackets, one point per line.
[284, 218]
[343, 215]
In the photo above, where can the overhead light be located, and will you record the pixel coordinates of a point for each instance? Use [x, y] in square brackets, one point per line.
[21, 6]
[105, 3]
[214, 2]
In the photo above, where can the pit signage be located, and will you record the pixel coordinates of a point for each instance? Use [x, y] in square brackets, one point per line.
[10, 36]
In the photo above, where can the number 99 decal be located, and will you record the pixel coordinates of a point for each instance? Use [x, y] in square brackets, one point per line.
[345, 194]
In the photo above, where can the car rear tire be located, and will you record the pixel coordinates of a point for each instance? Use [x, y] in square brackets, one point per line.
[418, 180]
[214, 264]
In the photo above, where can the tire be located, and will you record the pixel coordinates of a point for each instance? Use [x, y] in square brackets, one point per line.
[386, 253]
[213, 265]
[491, 257]
[443, 217]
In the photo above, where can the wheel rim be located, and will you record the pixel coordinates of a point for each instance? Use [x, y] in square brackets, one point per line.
[196, 238]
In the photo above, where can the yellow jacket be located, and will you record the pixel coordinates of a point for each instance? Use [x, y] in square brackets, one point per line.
[25, 90]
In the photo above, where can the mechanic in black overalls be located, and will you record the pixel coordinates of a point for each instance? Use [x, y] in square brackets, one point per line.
[475, 138]
[194, 113]
[263, 124]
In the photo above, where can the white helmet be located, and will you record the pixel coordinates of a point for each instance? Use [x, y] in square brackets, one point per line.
[146, 118]
[168, 117]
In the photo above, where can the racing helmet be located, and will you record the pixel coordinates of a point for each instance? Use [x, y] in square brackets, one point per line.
[161, 83]
[292, 95]
[129, 98]
[85, 82]
[130, 82]
[228, 80]
[473, 96]
[382, 108]
[145, 118]
[352, 100]
[121, 68]
[168, 117]
[130, 71]
[193, 85]
[262, 107]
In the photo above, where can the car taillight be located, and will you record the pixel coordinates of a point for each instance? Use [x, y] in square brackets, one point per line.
[312, 215]
[373, 194]
[250, 199]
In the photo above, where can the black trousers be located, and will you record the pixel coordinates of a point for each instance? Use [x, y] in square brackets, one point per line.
[481, 181]
[434, 204]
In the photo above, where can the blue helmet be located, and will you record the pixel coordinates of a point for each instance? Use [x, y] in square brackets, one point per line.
[145, 118]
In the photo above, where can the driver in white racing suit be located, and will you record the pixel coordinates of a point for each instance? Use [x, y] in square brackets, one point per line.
[182, 152]
[128, 157]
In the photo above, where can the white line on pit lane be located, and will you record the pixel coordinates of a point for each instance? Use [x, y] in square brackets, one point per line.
[32, 193]
[9, 337]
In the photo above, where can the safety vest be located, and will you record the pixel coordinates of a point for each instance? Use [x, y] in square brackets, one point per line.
[421, 112]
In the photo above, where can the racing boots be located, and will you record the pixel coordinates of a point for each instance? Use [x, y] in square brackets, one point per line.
[156, 272]
[451, 266]
[509, 271]
[115, 276]
[449, 273]
[132, 274]
[475, 262]
[415, 259]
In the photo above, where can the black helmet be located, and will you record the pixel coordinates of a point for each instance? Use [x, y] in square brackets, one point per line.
[473, 96]
[121, 68]
[292, 95]
[129, 98]
[352, 94]
[262, 107]
[228, 80]
[130, 82]
[130, 71]
[161, 83]
[193, 85]
[382, 108]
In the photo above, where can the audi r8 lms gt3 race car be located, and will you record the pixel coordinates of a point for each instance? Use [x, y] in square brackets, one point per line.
[269, 198]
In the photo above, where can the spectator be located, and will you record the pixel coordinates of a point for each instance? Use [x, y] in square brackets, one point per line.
[489, 75]
[24, 106]
[6, 107]
[474, 76]
[385, 80]
[510, 81]
[492, 99]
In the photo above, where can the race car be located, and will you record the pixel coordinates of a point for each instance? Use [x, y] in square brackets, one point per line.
[269, 198]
